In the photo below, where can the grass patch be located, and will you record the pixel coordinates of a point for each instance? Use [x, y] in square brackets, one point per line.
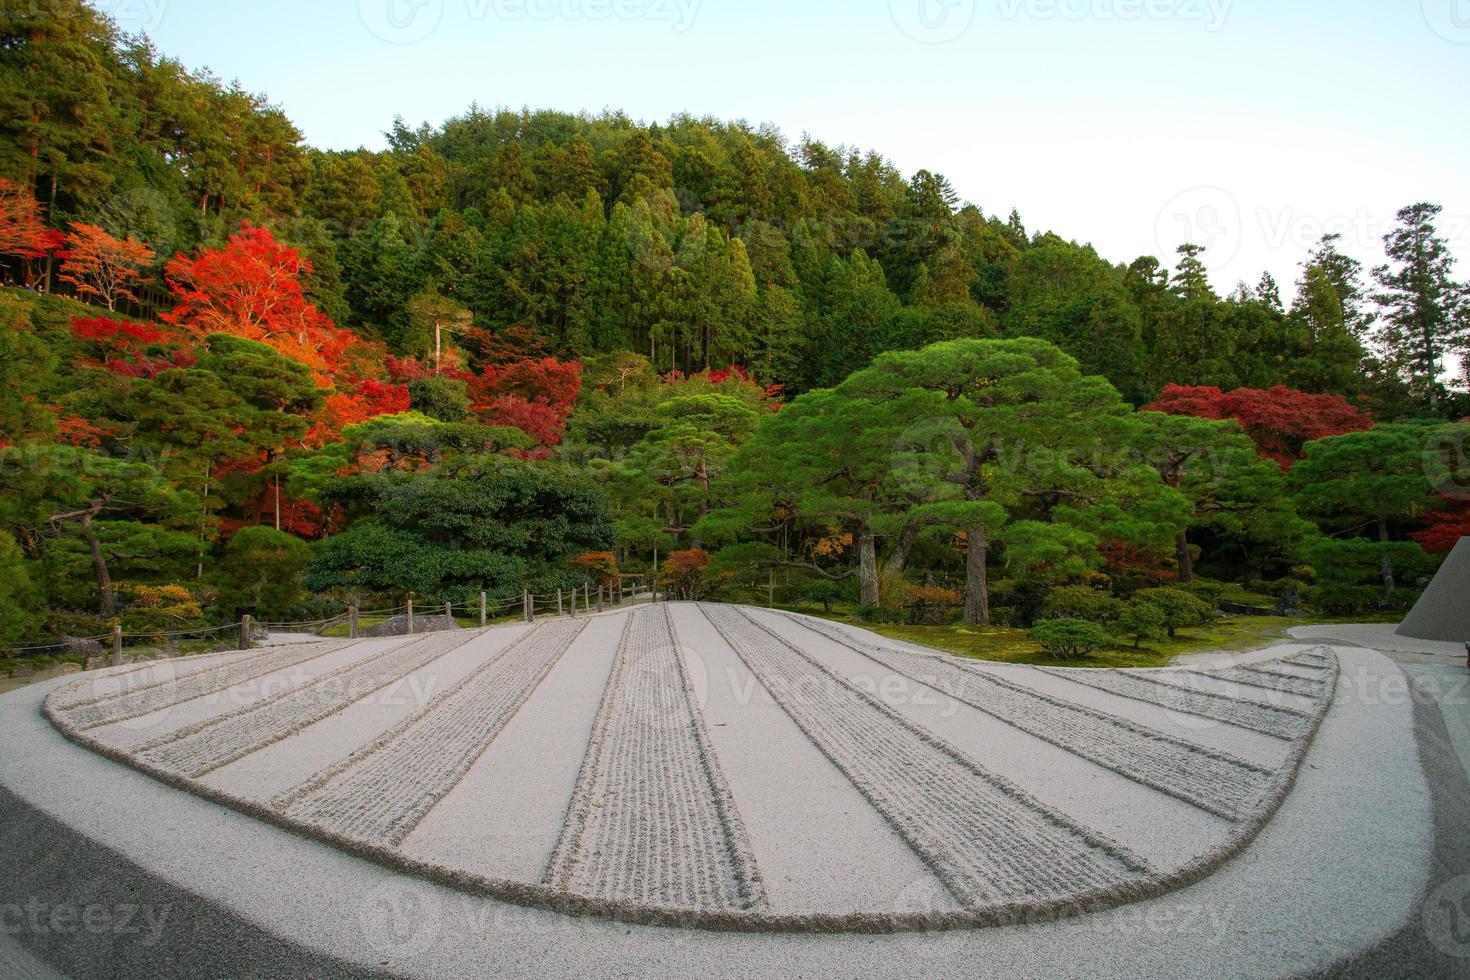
[1012, 646]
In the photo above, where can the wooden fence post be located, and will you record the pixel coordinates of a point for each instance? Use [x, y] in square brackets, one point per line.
[245, 632]
[449, 611]
[352, 622]
[574, 603]
[117, 645]
[483, 619]
[410, 616]
[559, 609]
[527, 606]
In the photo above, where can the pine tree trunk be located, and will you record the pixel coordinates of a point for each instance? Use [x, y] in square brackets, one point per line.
[868, 566]
[977, 587]
[904, 547]
[1184, 559]
[1385, 566]
[108, 603]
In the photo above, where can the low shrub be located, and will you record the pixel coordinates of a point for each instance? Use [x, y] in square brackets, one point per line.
[929, 606]
[1209, 590]
[1069, 639]
[822, 594]
[882, 615]
[1081, 602]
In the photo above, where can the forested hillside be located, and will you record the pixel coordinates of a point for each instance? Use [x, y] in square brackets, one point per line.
[520, 349]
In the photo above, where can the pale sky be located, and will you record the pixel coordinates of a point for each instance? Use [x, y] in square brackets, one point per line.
[1250, 126]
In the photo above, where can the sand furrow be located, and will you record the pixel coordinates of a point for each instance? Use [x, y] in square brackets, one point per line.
[1283, 723]
[116, 682]
[652, 820]
[986, 839]
[381, 792]
[1213, 781]
[1314, 661]
[146, 700]
[200, 749]
[1272, 680]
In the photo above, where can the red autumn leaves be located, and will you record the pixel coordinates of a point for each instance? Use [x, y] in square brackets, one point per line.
[1281, 421]
[253, 287]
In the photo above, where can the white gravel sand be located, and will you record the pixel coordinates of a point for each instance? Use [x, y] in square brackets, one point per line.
[276, 768]
[1339, 869]
[732, 769]
[504, 817]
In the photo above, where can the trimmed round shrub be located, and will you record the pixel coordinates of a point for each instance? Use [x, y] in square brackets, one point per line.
[1142, 621]
[1081, 602]
[1068, 639]
[1181, 609]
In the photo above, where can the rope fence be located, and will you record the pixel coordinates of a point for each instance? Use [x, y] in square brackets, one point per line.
[562, 602]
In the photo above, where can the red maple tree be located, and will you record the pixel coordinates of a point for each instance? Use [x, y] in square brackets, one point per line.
[535, 396]
[252, 288]
[1446, 527]
[22, 232]
[1281, 421]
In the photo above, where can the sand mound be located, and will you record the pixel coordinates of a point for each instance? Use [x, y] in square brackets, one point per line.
[650, 744]
[1443, 612]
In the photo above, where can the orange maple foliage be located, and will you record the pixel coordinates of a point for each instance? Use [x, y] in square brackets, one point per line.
[99, 265]
[252, 288]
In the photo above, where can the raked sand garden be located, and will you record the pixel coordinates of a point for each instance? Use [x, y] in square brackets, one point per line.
[712, 767]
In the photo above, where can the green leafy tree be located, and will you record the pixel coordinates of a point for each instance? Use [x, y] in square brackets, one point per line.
[992, 429]
[20, 600]
[261, 572]
[77, 510]
[1180, 609]
[1142, 620]
[474, 523]
[1372, 480]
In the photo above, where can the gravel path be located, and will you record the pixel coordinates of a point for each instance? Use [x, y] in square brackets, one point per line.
[1217, 783]
[381, 792]
[652, 820]
[146, 699]
[990, 843]
[200, 749]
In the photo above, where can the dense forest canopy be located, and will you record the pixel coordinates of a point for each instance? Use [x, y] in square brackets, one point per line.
[520, 338]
